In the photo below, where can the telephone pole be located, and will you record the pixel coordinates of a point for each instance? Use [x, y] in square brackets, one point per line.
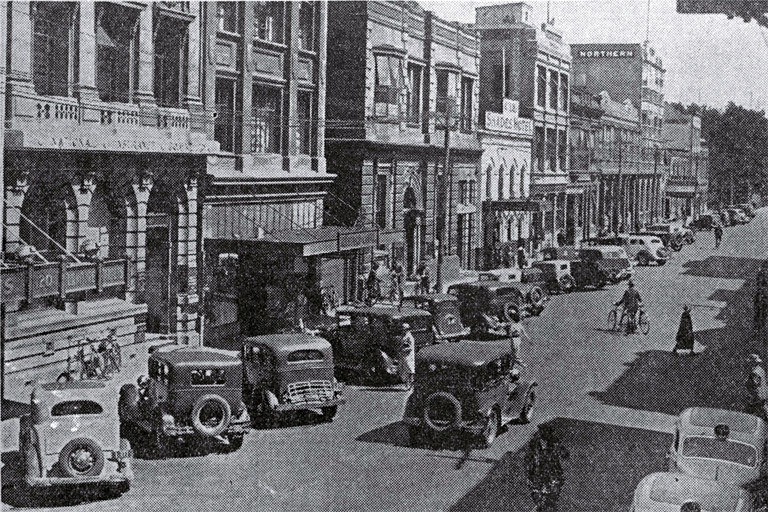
[442, 203]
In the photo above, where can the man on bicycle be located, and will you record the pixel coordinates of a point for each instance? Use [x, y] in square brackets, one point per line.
[631, 301]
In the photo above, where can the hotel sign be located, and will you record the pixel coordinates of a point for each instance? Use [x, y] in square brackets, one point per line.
[607, 53]
[508, 121]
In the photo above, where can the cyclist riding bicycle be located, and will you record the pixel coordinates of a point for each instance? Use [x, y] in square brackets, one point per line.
[632, 302]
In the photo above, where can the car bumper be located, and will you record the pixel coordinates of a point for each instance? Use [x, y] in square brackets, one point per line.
[235, 428]
[319, 404]
[473, 427]
[52, 481]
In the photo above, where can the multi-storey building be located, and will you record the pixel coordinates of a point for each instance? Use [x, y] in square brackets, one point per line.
[395, 74]
[632, 72]
[687, 183]
[105, 139]
[534, 66]
[266, 250]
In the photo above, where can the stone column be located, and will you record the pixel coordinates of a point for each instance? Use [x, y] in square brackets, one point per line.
[554, 220]
[136, 237]
[86, 80]
[247, 80]
[14, 198]
[186, 318]
[145, 93]
[191, 99]
[322, 45]
[290, 103]
[20, 69]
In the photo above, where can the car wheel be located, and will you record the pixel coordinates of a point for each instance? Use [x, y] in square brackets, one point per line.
[567, 283]
[329, 413]
[661, 262]
[442, 411]
[526, 413]
[510, 310]
[488, 436]
[81, 457]
[211, 415]
[642, 259]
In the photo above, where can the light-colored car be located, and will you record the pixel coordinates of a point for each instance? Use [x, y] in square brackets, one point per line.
[736, 216]
[72, 437]
[674, 227]
[668, 492]
[717, 444]
[645, 249]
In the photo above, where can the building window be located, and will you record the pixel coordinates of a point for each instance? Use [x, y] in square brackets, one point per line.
[464, 246]
[467, 94]
[415, 77]
[381, 200]
[446, 93]
[266, 134]
[541, 86]
[268, 18]
[500, 183]
[386, 95]
[304, 111]
[227, 16]
[564, 92]
[224, 125]
[522, 183]
[170, 60]
[551, 149]
[553, 91]
[562, 150]
[307, 26]
[538, 148]
[488, 180]
[512, 182]
[54, 40]
[117, 43]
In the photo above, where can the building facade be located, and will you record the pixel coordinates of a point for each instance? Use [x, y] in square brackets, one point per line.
[266, 250]
[633, 73]
[687, 185]
[105, 137]
[533, 66]
[396, 73]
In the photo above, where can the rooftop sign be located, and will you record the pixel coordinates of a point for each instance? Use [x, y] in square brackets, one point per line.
[606, 53]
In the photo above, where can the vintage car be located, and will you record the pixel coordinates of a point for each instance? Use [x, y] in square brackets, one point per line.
[557, 275]
[668, 492]
[72, 437]
[646, 249]
[289, 372]
[717, 444]
[746, 208]
[611, 259]
[190, 393]
[735, 216]
[676, 231]
[500, 299]
[566, 252]
[444, 309]
[367, 341]
[706, 221]
[468, 386]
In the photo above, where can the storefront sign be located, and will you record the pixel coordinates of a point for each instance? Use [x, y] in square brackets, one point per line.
[508, 124]
[607, 53]
[106, 143]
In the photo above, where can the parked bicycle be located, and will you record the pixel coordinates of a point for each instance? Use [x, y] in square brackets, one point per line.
[619, 323]
[85, 366]
[110, 349]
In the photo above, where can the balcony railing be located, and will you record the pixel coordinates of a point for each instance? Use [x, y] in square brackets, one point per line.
[28, 282]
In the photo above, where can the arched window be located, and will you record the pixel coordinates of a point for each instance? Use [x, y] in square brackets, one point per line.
[522, 181]
[501, 182]
[488, 178]
[512, 187]
[107, 222]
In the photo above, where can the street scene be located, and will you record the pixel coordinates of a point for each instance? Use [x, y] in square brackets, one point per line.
[383, 255]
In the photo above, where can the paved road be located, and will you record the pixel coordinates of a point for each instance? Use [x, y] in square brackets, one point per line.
[613, 397]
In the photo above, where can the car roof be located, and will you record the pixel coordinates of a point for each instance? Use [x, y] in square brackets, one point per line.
[487, 284]
[405, 312]
[195, 356]
[289, 342]
[464, 353]
[702, 421]
[668, 491]
[603, 248]
[95, 390]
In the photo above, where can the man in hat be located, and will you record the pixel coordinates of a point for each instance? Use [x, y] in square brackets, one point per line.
[757, 389]
[631, 301]
[407, 363]
[685, 340]
[544, 467]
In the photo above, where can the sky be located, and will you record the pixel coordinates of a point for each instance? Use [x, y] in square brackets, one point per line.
[709, 59]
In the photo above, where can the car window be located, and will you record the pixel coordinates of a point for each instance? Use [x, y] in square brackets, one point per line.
[207, 377]
[76, 407]
[159, 371]
[725, 450]
[655, 241]
[300, 356]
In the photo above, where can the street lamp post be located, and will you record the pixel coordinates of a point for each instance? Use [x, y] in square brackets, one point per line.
[442, 203]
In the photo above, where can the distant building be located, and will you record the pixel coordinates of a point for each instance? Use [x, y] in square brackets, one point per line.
[394, 70]
[687, 185]
[532, 65]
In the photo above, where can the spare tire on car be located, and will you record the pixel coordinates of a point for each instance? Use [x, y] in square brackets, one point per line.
[81, 457]
[204, 413]
[510, 309]
[442, 411]
[536, 297]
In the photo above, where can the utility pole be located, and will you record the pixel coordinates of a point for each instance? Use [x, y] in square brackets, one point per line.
[442, 181]
[620, 216]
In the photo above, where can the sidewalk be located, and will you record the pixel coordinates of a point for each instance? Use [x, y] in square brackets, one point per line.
[16, 401]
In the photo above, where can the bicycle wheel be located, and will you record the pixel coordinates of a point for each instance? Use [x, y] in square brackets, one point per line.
[623, 321]
[643, 323]
[612, 320]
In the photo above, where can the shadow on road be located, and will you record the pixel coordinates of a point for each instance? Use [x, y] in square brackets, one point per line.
[657, 380]
[606, 464]
[396, 434]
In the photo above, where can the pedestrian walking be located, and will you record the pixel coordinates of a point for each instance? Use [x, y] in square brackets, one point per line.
[685, 339]
[422, 274]
[757, 388]
[718, 235]
[516, 331]
[544, 467]
[521, 262]
[407, 363]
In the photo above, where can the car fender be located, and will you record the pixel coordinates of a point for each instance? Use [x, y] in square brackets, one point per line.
[517, 396]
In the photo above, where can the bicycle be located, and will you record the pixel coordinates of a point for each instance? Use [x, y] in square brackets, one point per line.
[617, 323]
[111, 350]
[89, 367]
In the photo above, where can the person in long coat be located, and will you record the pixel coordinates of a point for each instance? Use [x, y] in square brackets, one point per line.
[684, 340]
[407, 363]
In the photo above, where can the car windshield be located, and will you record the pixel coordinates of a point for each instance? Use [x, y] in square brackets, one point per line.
[300, 356]
[725, 450]
[76, 407]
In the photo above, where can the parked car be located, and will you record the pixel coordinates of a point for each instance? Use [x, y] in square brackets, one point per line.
[191, 393]
[468, 386]
[526, 275]
[499, 299]
[706, 221]
[646, 249]
[676, 231]
[736, 216]
[72, 437]
[366, 341]
[566, 252]
[717, 444]
[747, 208]
[667, 492]
[610, 259]
[289, 372]
[446, 316]
[558, 277]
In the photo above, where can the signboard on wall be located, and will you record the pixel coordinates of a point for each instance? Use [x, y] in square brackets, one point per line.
[508, 121]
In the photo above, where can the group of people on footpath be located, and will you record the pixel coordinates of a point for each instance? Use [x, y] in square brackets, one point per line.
[397, 277]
